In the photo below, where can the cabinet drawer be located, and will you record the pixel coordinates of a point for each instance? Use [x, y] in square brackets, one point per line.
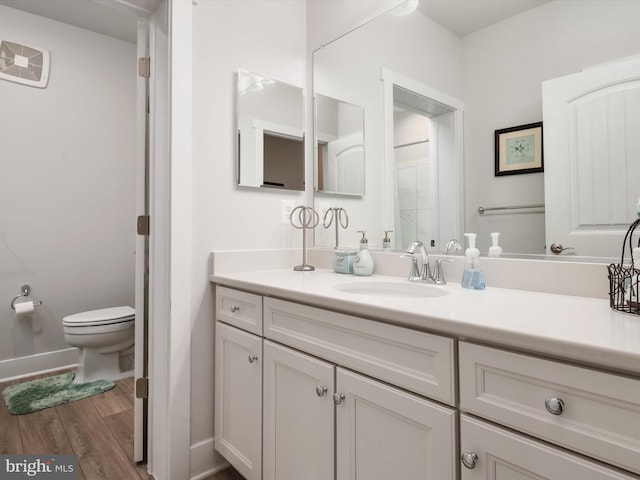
[417, 361]
[600, 414]
[503, 455]
[240, 309]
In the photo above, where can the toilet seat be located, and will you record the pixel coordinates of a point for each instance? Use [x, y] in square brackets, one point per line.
[105, 316]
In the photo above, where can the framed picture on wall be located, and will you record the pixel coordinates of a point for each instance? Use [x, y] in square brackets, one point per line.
[519, 150]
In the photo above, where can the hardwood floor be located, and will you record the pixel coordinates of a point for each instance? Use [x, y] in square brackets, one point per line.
[98, 429]
[228, 474]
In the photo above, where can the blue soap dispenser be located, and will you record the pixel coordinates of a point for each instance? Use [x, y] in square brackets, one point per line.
[363, 263]
[472, 277]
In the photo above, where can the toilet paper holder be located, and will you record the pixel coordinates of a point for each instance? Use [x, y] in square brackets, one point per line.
[25, 290]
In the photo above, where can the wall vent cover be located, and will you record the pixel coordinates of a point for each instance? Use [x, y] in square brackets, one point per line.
[25, 65]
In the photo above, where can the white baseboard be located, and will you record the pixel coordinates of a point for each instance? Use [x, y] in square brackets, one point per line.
[15, 368]
[205, 461]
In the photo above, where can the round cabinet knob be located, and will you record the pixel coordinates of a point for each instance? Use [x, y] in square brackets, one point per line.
[252, 357]
[320, 390]
[338, 398]
[554, 405]
[234, 308]
[469, 460]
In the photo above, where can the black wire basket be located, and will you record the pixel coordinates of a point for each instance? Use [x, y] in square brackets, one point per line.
[624, 280]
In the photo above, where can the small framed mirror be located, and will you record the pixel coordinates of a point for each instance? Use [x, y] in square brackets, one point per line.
[339, 162]
[270, 145]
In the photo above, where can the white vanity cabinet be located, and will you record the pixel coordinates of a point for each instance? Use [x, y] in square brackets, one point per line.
[381, 432]
[335, 396]
[303, 392]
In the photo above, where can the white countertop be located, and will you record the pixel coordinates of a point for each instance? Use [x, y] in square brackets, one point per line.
[579, 329]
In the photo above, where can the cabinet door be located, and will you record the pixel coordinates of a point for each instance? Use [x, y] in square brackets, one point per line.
[238, 399]
[298, 415]
[383, 432]
[493, 453]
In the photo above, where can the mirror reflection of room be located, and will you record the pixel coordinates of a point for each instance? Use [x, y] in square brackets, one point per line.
[413, 172]
[270, 133]
[434, 46]
[340, 146]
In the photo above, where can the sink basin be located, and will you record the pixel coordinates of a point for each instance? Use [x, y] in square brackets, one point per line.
[392, 289]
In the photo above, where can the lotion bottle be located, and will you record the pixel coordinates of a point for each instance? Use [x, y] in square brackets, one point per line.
[472, 277]
[495, 250]
[363, 262]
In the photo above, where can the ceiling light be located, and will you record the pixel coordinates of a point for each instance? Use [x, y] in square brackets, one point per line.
[405, 8]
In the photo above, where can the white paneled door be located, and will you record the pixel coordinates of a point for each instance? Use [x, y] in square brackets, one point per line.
[592, 157]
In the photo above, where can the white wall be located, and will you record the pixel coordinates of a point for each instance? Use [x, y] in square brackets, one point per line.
[67, 183]
[268, 38]
[505, 66]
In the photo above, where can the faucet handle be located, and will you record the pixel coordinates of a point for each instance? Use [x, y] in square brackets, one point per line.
[438, 277]
[414, 272]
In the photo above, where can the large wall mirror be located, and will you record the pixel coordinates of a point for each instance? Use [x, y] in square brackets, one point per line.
[437, 83]
[270, 133]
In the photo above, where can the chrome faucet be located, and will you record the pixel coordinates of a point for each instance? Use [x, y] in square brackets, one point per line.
[453, 245]
[424, 273]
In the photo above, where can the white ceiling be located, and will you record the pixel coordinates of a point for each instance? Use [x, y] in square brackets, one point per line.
[115, 18]
[467, 16]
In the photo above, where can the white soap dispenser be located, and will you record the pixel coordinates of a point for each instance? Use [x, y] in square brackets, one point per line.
[363, 263]
[495, 250]
[386, 241]
[472, 277]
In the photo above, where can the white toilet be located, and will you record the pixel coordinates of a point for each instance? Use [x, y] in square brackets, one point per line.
[102, 336]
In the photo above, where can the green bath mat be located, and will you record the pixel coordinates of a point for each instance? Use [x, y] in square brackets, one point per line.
[48, 392]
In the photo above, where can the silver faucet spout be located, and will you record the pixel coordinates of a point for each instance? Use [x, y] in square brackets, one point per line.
[425, 271]
[453, 245]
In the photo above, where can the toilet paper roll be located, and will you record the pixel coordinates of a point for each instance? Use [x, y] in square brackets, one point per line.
[24, 309]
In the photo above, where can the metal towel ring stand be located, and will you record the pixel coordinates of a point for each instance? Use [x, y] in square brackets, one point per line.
[307, 218]
[25, 290]
[339, 215]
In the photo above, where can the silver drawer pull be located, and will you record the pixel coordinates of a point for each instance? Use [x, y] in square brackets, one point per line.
[252, 357]
[320, 390]
[338, 398]
[234, 308]
[554, 405]
[469, 460]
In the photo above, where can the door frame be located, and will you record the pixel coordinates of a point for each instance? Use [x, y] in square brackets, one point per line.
[450, 201]
[141, 248]
[170, 241]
